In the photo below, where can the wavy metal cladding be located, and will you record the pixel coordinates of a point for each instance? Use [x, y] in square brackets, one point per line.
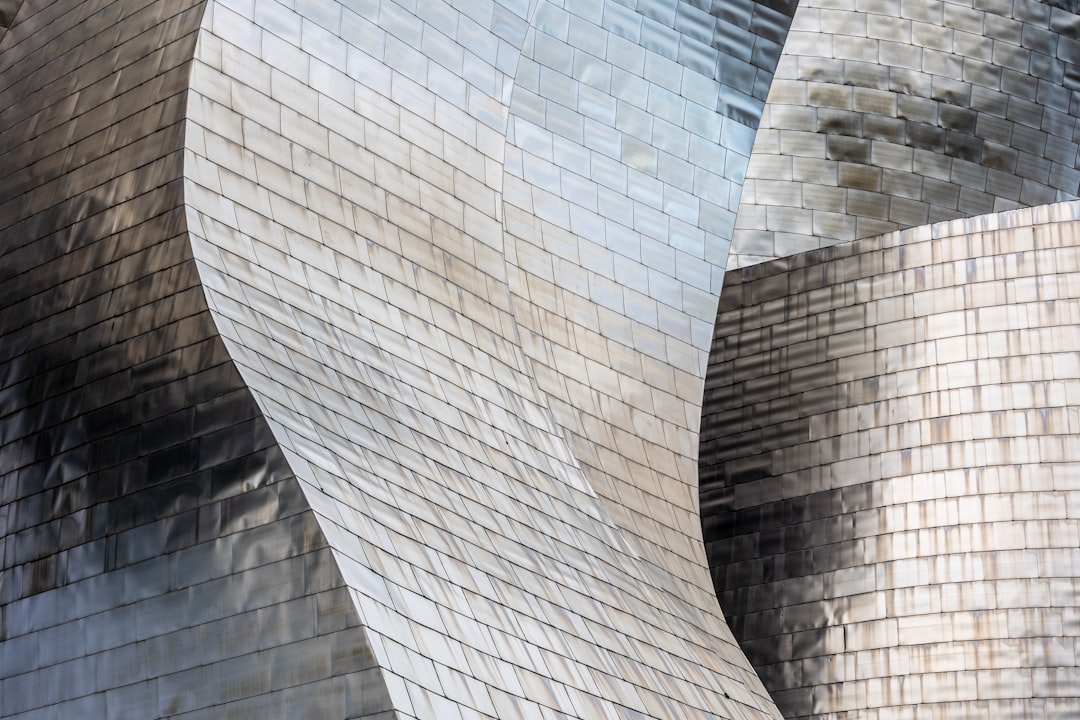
[889, 115]
[439, 247]
[890, 470]
[158, 558]
[338, 380]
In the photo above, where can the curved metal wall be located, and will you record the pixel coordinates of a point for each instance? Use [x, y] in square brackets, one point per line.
[885, 116]
[352, 356]
[627, 133]
[438, 246]
[156, 556]
[890, 465]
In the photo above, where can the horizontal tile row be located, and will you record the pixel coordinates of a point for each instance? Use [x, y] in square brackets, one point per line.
[157, 556]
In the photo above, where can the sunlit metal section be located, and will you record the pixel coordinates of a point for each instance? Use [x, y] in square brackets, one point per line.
[628, 134]
[351, 356]
[890, 466]
[467, 259]
[888, 115]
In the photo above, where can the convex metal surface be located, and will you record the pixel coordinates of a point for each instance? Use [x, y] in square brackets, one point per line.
[891, 470]
[887, 115]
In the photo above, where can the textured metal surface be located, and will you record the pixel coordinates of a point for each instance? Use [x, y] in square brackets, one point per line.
[158, 558]
[890, 468]
[626, 145]
[887, 115]
[437, 245]
[351, 356]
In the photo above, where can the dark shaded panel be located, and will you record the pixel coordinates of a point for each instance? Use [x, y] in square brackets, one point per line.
[157, 556]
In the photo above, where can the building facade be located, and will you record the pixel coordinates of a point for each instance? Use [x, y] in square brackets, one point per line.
[889, 470]
[352, 356]
[889, 437]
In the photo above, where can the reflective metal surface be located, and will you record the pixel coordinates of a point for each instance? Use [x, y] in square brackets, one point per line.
[890, 458]
[157, 558]
[467, 260]
[351, 356]
[888, 115]
[8, 10]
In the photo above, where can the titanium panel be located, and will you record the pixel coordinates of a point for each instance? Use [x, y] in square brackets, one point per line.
[157, 558]
[8, 11]
[889, 462]
[448, 275]
[886, 116]
[352, 356]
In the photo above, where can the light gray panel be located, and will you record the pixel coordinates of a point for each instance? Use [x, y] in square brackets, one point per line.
[889, 452]
[470, 282]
